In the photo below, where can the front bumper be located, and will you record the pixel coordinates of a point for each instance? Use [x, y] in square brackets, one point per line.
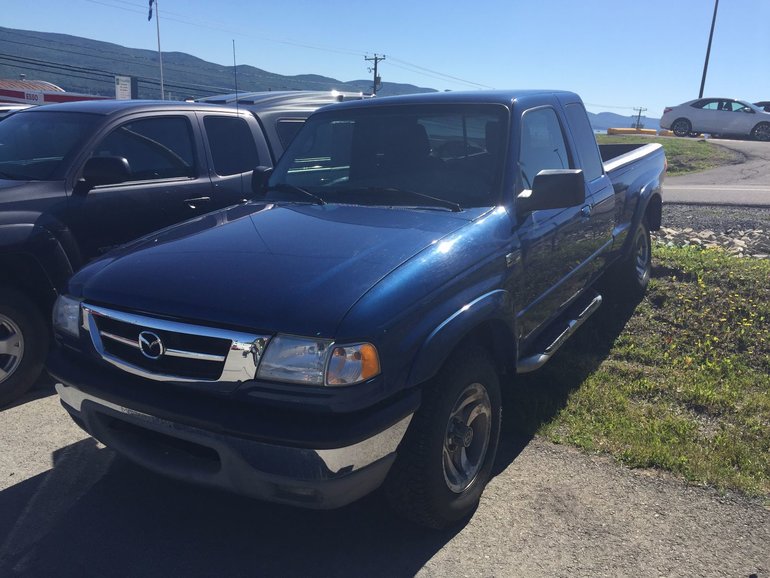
[314, 478]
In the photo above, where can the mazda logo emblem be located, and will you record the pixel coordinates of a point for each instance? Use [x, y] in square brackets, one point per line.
[150, 345]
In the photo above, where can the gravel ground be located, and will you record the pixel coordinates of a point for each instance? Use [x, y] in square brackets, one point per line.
[741, 230]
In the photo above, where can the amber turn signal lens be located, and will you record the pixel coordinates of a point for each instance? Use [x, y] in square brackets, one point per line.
[352, 364]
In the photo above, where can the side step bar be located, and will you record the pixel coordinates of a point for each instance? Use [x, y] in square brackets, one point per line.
[537, 361]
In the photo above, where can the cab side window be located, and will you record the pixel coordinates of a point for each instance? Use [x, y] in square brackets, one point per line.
[155, 148]
[542, 144]
[232, 145]
[287, 129]
[585, 141]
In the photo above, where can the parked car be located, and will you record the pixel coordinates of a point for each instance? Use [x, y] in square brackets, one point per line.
[348, 327]
[80, 178]
[717, 116]
[763, 104]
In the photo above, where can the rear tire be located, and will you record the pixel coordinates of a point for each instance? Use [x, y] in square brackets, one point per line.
[681, 127]
[630, 276]
[23, 345]
[761, 132]
[446, 457]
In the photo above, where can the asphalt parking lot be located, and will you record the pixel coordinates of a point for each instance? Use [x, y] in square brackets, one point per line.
[71, 507]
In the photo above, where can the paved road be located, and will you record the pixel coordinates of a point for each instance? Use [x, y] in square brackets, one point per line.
[746, 183]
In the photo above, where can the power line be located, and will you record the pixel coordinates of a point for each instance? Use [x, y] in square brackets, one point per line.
[435, 74]
[414, 68]
[148, 64]
[609, 106]
[261, 75]
[96, 75]
[223, 28]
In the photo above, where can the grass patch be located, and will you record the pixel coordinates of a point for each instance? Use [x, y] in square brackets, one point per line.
[680, 382]
[684, 155]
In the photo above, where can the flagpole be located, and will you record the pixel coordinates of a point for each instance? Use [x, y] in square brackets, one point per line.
[160, 54]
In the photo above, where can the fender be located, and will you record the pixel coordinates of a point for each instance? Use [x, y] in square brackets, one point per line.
[649, 188]
[493, 308]
[29, 247]
[649, 191]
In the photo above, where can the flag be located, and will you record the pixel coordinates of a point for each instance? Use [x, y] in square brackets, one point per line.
[149, 16]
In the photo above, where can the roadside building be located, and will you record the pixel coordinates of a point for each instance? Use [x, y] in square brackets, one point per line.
[37, 92]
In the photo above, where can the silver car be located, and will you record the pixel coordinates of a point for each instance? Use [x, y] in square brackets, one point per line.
[718, 116]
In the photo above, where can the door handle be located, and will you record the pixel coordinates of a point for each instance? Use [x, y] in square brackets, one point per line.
[586, 211]
[193, 203]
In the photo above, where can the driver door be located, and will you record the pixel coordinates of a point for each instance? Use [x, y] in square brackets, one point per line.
[168, 183]
[555, 243]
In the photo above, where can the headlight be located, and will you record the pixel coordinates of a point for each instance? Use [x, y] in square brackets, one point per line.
[66, 315]
[317, 361]
[296, 359]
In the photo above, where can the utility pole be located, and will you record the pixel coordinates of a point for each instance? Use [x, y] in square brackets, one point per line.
[708, 50]
[377, 79]
[638, 123]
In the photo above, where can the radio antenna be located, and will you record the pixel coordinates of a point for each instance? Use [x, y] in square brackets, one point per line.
[237, 110]
[235, 75]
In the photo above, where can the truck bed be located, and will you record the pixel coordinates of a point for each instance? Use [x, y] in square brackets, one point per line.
[617, 155]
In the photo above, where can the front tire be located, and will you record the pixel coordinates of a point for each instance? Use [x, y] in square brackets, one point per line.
[446, 457]
[761, 132]
[681, 127]
[23, 345]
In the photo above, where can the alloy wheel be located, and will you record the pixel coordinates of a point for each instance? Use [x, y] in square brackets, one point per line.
[467, 437]
[11, 347]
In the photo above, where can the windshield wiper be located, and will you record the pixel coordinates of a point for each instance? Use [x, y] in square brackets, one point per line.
[9, 176]
[287, 188]
[454, 207]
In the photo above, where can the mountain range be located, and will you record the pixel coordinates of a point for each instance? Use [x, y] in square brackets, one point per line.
[89, 66]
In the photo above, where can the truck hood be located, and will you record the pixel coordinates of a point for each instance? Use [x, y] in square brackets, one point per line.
[291, 268]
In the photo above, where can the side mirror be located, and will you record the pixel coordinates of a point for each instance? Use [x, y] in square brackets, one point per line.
[106, 171]
[259, 179]
[553, 189]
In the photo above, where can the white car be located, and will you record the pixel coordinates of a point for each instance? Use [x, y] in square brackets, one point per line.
[722, 116]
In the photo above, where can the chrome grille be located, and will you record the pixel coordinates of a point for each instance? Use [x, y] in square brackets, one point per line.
[172, 351]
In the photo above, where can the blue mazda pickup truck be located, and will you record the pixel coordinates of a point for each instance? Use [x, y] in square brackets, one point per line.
[347, 328]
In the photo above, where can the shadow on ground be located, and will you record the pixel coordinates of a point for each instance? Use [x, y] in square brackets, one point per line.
[531, 400]
[131, 522]
[44, 386]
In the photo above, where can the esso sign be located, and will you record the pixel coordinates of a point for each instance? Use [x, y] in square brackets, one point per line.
[33, 97]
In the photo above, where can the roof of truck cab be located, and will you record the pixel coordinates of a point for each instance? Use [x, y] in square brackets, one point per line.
[504, 97]
[288, 99]
[107, 107]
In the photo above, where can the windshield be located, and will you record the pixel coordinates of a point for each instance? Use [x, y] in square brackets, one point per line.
[34, 145]
[446, 157]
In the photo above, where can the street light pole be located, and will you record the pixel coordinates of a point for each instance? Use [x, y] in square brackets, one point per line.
[708, 50]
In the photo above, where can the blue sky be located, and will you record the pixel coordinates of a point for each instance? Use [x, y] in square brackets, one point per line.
[617, 54]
